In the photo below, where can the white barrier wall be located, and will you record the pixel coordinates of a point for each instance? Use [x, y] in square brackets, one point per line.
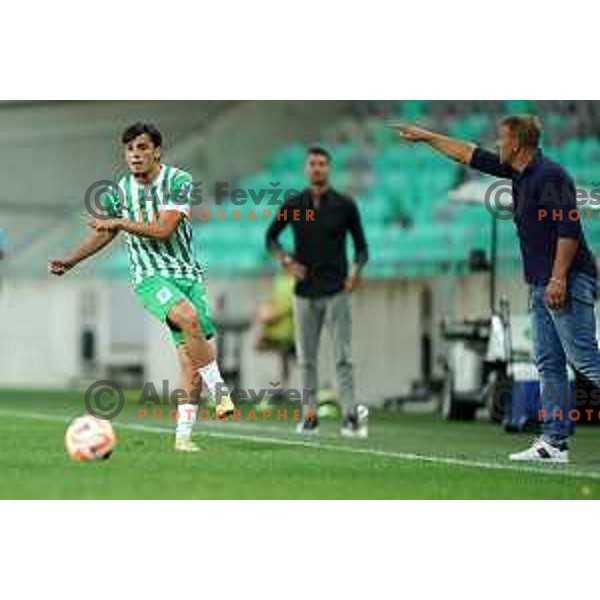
[41, 323]
[387, 329]
[385, 333]
[39, 329]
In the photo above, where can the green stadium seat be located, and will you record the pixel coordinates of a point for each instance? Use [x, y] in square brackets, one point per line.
[402, 192]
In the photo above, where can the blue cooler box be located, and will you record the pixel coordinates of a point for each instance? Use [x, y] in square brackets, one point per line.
[523, 412]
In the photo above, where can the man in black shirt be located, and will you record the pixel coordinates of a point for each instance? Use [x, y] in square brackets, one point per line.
[321, 219]
[557, 263]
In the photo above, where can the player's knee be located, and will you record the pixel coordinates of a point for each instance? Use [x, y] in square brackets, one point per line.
[185, 319]
[191, 326]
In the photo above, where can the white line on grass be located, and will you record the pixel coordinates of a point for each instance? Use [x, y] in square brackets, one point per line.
[554, 470]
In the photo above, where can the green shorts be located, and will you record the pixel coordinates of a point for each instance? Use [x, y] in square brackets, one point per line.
[159, 295]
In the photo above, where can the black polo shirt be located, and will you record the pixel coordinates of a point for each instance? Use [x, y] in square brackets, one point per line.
[544, 209]
[320, 231]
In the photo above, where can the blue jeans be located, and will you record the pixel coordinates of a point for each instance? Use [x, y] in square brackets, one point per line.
[568, 334]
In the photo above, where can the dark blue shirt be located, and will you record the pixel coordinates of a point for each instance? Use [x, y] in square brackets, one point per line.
[544, 209]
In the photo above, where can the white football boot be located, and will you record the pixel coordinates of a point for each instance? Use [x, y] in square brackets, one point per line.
[183, 443]
[225, 407]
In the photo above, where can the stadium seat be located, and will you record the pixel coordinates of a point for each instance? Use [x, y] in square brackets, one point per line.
[402, 191]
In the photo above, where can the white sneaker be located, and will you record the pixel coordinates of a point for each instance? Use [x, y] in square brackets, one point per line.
[542, 451]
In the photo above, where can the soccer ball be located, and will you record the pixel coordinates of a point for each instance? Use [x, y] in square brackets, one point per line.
[89, 438]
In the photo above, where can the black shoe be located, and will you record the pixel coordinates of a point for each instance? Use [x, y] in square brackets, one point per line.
[356, 423]
[308, 426]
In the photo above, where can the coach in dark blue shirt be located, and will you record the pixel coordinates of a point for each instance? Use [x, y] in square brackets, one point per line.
[544, 210]
[557, 263]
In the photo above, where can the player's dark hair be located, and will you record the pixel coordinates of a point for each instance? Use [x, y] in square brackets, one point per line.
[527, 129]
[140, 128]
[319, 151]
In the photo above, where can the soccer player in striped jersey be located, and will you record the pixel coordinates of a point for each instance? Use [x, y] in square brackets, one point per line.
[151, 206]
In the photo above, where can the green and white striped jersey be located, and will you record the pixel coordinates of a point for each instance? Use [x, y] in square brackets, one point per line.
[172, 258]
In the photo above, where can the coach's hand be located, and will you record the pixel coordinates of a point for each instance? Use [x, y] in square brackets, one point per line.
[59, 267]
[555, 293]
[412, 133]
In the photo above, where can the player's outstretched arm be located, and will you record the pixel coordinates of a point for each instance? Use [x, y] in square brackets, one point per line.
[92, 244]
[158, 230]
[457, 150]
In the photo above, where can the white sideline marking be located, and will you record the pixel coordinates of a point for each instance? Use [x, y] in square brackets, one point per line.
[554, 470]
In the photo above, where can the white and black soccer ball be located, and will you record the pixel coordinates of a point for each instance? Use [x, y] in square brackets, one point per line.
[88, 438]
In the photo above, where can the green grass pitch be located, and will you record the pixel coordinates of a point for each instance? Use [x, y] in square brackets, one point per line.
[406, 456]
